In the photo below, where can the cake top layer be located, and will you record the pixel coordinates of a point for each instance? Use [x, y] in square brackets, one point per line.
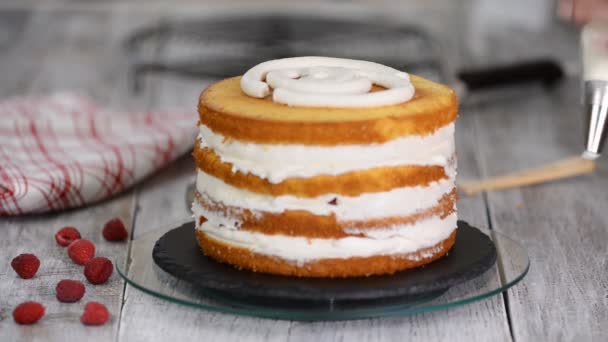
[325, 101]
[226, 110]
[226, 97]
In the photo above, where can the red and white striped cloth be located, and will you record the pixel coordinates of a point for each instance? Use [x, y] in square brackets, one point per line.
[62, 151]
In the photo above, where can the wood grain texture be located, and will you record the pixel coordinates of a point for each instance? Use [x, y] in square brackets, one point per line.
[60, 51]
[35, 235]
[563, 224]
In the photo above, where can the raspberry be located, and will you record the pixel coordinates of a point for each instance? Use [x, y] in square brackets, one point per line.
[69, 291]
[114, 230]
[98, 270]
[28, 313]
[94, 314]
[67, 235]
[81, 251]
[26, 265]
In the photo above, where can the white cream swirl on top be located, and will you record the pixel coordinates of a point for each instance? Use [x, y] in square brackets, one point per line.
[327, 82]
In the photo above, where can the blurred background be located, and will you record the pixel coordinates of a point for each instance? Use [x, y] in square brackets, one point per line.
[515, 65]
[188, 43]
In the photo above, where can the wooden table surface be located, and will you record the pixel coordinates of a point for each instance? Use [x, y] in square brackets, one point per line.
[66, 45]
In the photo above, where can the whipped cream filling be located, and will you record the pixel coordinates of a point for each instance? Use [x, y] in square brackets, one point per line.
[327, 82]
[395, 240]
[396, 202]
[276, 162]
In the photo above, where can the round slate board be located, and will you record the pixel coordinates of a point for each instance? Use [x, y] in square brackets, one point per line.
[177, 253]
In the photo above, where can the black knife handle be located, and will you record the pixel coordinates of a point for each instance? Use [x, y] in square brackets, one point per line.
[545, 71]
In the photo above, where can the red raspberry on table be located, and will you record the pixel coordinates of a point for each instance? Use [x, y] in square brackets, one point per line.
[115, 230]
[66, 235]
[26, 265]
[28, 313]
[81, 251]
[94, 314]
[98, 270]
[69, 291]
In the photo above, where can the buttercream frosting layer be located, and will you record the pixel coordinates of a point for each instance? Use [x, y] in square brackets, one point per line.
[306, 224]
[278, 162]
[396, 202]
[351, 267]
[394, 240]
[352, 183]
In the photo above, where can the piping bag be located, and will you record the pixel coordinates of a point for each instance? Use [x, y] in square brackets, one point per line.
[594, 46]
[594, 43]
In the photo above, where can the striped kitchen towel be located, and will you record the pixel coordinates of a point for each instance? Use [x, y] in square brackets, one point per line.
[62, 151]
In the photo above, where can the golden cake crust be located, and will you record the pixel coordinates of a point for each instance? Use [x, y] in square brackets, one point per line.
[305, 224]
[333, 268]
[225, 109]
[348, 184]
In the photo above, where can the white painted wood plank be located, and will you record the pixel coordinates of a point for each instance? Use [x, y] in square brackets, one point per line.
[61, 51]
[35, 235]
[562, 224]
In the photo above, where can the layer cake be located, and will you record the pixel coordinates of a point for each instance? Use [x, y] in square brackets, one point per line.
[304, 169]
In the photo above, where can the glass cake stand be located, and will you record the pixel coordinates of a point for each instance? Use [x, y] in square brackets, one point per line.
[142, 273]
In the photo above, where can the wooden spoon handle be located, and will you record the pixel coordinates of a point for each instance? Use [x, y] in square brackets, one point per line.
[564, 168]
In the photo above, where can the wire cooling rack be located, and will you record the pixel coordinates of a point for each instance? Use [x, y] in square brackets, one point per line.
[227, 46]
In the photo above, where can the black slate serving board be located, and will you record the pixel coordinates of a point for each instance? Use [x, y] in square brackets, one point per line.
[177, 253]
